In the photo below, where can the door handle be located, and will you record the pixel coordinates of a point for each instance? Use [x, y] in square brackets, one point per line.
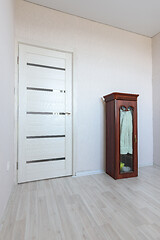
[62, 113]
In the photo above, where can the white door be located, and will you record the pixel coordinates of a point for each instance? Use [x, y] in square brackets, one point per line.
[45, 114]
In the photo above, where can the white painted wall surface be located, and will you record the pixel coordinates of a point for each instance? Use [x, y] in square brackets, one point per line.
[7, 67]
[105, 59]
[156, 99]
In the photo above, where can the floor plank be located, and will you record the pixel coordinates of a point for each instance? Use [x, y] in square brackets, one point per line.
[93, 207]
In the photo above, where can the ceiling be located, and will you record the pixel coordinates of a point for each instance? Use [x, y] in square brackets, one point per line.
[138, 16]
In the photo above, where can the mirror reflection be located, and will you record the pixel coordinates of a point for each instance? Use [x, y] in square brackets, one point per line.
[126, 139]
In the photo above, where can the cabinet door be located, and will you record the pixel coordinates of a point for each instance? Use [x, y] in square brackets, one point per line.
[126, 139]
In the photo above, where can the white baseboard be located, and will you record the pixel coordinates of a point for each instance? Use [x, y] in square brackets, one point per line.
[156, 165]
[86, 173]
[145, 165]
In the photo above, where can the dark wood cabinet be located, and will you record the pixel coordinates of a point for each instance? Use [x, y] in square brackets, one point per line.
[121, 135]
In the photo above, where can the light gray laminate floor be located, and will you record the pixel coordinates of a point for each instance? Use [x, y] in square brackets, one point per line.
[92, 207]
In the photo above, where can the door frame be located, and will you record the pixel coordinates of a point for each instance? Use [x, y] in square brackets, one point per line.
[16, 100]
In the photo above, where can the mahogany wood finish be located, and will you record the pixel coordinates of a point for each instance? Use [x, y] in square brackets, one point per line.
[114, 102]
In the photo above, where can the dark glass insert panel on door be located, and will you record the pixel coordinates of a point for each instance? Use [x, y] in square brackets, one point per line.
[126, 140]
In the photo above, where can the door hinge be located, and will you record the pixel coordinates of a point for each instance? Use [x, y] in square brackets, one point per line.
[18, 60]
[17, 165]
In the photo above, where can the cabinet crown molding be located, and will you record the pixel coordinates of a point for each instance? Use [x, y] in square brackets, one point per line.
[120, 96]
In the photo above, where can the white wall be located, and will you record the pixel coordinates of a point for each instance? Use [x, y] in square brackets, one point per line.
[105, 59]
[156, 99]
[6, 101]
